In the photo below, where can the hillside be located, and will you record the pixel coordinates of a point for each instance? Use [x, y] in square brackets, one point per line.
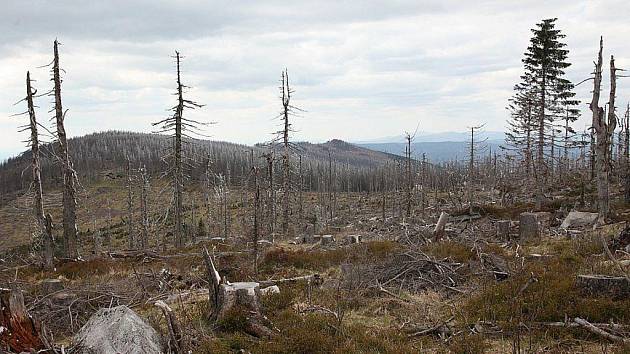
[103, 155]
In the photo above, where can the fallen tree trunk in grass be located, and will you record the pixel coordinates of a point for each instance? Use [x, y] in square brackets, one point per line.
[174, 330]
[312, 278]
[19, 332]
[600, 332]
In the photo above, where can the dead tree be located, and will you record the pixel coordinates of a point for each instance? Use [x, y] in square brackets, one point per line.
[409, 176]
[222, 194]
[207, 188]
[288, 110]
[301, 195]
[604, 130]
[68, 173]
[130, 230]
[144, 208]
[473, 147]
[178, 126]
[256, 211]
[271, 193]
[44, 225]
[626, 154]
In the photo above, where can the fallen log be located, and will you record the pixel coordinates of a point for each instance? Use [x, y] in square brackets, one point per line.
[593, 329]
[442, 329]
[174, 330]
[313, 279]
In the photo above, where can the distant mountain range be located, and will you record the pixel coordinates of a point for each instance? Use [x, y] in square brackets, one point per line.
[435, 137]
[446, 146]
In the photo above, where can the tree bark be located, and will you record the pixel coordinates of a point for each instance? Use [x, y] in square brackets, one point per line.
[68, 173]
[44, 227]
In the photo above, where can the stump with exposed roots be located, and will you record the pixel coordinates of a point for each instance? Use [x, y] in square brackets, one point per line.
[236, 305]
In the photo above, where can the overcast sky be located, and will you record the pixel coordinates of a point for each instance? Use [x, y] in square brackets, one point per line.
[361, 69]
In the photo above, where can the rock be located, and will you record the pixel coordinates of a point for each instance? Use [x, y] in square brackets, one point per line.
[274, 289]
[528, 226]
[327, 239]
[50, 286]
[117, 330]
[579, 219]
[264, 243]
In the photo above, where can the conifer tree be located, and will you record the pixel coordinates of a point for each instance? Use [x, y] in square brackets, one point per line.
[552, 95]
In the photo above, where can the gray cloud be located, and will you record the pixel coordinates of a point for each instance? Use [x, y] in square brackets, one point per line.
[361, 69]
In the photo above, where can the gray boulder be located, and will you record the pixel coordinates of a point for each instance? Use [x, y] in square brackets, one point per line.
[117, 330]
[579, 219]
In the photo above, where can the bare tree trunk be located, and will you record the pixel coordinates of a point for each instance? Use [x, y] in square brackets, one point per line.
[69, 176]
[208, 203]
[604, 131]
[44, 225]
[301, 197]
[256, 232]
[130, 231]
[471, 166]
[409, 183]
[144, 208]
[179, 173]
[626, 154]
[286, 184]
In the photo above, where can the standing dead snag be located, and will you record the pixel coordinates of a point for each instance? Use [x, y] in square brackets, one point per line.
[256, 228]
[144, 208]
[408, 172]
[69, 175]
[626, 154]
[177, 126]
[604, 130]
[130, 231]
[474, 147]
[287, 111]
[237, 299]
[44, 225]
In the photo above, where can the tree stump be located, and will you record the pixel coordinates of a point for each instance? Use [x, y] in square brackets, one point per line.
[18, 330]
[596, 284]
[327, 239]
[236, 305]
[239, 305]
[50, 286]
[439, 227]
[528, 227]
[503, 229]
